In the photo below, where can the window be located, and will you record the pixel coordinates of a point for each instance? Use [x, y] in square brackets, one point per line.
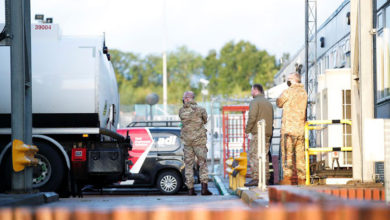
[319, 67]
[380, 3]
[348, 59]
[340, 57]
[383, 55]
[347, 130]
[326, 62]
[165, 141]
[387, 17]
[382, 62]
[334, 55]
[379, 66]
[347, 50]
[380, 21]
[332, 59]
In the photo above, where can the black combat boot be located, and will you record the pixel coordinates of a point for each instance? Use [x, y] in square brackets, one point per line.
[253, 182]
[205, 190]
[191, 192]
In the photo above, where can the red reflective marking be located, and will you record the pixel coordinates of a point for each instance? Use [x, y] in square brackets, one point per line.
[79, 154]
[141, 141]
[42, 27]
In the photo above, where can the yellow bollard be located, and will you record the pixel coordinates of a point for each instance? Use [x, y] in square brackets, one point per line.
[229, 170]
[240, 166]
[240, 180]
[234, 183]
[307, 162]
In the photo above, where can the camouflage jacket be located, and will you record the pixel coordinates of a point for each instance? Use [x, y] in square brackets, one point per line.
[193, 118]
[260, 108]
[293, 101]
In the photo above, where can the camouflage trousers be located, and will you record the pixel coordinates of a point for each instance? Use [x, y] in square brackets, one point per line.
[189, 159]
[293, 156]
[254, 159]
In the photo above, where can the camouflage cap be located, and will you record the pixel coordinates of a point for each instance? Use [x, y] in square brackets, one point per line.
[188, 94]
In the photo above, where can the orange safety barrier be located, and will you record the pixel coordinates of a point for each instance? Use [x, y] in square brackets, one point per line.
[312, 211]
[375, 194]
[285, 194]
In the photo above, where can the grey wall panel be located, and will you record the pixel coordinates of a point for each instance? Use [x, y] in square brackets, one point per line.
[383, 110]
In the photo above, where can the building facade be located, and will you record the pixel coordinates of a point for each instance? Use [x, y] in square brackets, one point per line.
[382, 58]
[334, 49]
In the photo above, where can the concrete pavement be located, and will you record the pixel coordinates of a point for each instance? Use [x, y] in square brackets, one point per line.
[108, 202]
[222, 197]
[150, 200]
[31, 199]
[251, 196]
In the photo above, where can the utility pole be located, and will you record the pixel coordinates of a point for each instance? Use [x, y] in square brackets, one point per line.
[307, 45]
[164, 56]
[362, 89]
[311, 55]
[311, 59]
[18, 28]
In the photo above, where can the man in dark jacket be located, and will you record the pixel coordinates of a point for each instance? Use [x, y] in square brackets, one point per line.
[260, 108]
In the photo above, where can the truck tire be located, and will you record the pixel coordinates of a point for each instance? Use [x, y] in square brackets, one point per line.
[6, 173]
[169, 182]
[49, 174]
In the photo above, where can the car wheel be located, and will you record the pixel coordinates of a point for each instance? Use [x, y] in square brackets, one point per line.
[169, 182]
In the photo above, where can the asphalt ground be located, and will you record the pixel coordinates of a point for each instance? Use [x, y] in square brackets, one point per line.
[149, 199]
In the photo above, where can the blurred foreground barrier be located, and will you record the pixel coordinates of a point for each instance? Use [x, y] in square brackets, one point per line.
[324, 195]
[274, 212]
[374, 194]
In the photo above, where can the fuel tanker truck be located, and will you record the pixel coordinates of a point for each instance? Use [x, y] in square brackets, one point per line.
[75, 113]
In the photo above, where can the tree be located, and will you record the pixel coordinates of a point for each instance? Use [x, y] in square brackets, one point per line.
[210, 70]
[136, 76]
[230, 72]
[239, 65]
[184, 71]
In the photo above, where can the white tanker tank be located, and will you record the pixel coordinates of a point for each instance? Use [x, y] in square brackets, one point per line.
[75, 105]
[73, 82]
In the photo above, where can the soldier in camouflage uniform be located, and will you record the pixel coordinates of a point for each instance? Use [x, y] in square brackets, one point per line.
[260, 108]
[294, 102]
[194, 137]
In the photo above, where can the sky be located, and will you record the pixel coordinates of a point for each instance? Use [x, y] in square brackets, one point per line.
[139, 26]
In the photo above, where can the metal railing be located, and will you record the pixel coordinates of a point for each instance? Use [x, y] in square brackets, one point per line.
[155, 124]
[318, 125]
[261, 154]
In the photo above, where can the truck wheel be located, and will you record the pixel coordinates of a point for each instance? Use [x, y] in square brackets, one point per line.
[50, 171]
[6, 172]
[169, 182]
[47, 175]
